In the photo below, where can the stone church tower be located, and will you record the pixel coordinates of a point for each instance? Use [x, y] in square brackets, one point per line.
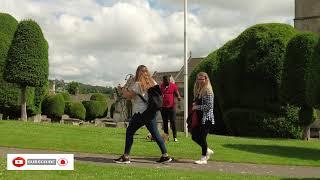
[307, 15]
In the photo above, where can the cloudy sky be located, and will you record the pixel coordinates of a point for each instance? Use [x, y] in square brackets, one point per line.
[98, 42]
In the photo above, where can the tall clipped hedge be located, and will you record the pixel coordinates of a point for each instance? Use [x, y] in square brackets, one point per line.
[249, 71]
[27, 59]
[8, 92]
[246, 75]
[8, 25]
[53, 106]
[95, 109]
[313, 79]
[297, 66]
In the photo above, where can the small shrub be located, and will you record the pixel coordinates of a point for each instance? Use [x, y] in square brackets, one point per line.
[66, 96]
[98, 97]
[94, 109]
[76, 110]
[53, 106]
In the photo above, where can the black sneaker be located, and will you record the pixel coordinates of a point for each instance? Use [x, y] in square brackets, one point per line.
[165, 159]
[122, 160]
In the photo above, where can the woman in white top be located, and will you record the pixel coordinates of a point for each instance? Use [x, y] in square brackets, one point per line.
[143, 81]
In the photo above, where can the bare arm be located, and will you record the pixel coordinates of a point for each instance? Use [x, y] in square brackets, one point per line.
[177, 93]
[128, 94]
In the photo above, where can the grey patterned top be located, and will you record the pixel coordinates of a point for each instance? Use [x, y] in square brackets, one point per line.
[207, 108]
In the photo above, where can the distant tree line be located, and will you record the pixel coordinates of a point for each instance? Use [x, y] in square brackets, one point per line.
[77, 87]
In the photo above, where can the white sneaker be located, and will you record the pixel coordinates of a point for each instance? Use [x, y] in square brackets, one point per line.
[203, 160]
[175, 140]
[209, 153]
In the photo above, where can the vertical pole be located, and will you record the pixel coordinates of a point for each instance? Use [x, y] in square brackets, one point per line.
[185, 70]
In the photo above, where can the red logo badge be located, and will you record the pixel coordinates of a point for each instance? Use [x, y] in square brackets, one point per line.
[18, 162]
[62, 162]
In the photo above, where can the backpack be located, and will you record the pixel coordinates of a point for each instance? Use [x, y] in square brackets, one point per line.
[154, 102]
[154, 98]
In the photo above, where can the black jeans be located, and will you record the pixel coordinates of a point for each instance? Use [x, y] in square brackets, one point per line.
[137, 122]
[169, 114]
[199, 135]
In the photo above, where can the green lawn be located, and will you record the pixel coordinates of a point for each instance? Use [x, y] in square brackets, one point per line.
[111, 141]
[92, 171]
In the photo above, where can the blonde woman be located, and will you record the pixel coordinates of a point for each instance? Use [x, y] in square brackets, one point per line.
[203, 106]
[138, 93]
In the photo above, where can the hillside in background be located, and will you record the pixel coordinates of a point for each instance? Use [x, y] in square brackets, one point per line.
[61, 86]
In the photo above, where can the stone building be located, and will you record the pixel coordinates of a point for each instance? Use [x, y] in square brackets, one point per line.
[307, 15]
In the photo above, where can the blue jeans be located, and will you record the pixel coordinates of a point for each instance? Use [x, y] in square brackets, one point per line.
[137, 122]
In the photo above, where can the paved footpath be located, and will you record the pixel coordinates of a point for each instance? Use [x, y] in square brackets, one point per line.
[184, 164]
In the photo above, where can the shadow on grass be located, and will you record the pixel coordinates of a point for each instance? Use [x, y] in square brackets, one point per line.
[281, 151]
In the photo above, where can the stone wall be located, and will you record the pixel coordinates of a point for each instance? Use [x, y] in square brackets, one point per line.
[307, 15]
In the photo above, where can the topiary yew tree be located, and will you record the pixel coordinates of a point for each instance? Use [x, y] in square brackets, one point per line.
[27, 60]
[246, 78]
[297, 67]
[8, 91]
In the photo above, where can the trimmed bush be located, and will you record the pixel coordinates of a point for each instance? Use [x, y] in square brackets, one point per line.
[300, 52]
[249, 70]
[94, 109]
[27, 61]
[76, 110]
[246, 78]
[53, 106]
[247, 122]
[98, 97]
[66, 96]
[313, 79]
[297, 69]
[9, 93]
[8, 25]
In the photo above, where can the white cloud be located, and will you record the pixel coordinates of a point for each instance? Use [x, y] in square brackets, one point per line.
[100, 41]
